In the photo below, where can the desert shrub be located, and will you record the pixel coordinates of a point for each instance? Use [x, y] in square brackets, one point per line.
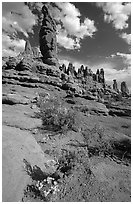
[81, 108]
[95, 141]
[66, 162]
[122, 149]
[55, 116]
[97, 144]
[118, 97]
[109, 102]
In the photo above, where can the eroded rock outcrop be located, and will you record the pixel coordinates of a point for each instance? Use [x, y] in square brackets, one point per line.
[47, 37]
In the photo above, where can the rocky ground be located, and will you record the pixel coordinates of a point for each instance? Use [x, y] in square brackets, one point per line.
[45, 165]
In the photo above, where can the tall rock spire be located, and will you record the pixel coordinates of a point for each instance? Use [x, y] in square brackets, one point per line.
[115, 85]
[124, 89]
[28, 48]
[47, 37]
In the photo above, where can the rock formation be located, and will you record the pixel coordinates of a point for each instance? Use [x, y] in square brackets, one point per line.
[97, 71]
[124, 89]
[70, 69]
[63, 68]
[101, 76]
[47, 37]
[86, 72]
[28, 48]
[81, 72]
[36, 52]
[115, 85]
[97, 75]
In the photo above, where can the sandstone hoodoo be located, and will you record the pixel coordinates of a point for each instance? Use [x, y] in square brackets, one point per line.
[124, 89]
[47, 37]
[28, 48]
[115, 85]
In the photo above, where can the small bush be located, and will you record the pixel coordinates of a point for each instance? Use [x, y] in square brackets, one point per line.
[66, 162]
[95, 141]
[55, 116]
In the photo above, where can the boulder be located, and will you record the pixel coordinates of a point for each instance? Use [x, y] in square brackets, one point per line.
[11, 63]
[92, 107]
[25, 64]
[12, 99]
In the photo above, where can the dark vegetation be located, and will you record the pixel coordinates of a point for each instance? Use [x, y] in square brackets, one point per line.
[97, 144]
[55, 116]
[66, 162]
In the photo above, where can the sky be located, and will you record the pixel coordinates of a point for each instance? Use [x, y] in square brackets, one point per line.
[95, 34]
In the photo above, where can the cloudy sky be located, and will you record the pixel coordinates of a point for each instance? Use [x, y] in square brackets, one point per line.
[95, 34]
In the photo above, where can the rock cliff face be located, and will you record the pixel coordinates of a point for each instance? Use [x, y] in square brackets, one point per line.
[47, 37]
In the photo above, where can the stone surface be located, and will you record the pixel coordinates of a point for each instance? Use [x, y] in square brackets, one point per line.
[18, 145]
[120, 110]
[14, 98]
[91, 107]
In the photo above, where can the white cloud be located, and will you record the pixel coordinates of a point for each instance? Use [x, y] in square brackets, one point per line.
[36, 8]
[11, 47]
[17, 17]
[70, 28]
[126, 58]
[122, 74]
[117, 13]
[66, 41]
[126, 37]
[68, 9]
